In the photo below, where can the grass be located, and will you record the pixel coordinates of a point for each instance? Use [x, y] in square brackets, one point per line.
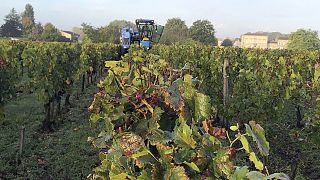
[62, 154]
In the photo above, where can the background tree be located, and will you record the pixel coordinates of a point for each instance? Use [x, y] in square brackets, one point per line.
[227, 43]
[51, 33]
[175, 30]
[12, 25]
[91, 33]
[113, 30]
[27, 20]
[304, 39]
[36, 32]
[110, 33]
[203, 31]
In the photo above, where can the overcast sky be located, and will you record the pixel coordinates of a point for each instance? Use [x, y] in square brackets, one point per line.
[231, 18]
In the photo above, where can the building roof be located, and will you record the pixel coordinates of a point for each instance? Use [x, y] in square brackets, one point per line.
[283, 38]
[72, 33]
[256, 34]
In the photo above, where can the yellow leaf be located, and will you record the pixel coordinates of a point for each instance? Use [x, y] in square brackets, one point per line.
[257, 163]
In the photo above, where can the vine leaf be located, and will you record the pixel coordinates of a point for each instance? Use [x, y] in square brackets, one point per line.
[182, 155]
[120, 176]
[149, 107]
[183, 136]
[234, 128]
[145, 175]
[159, 136]
[254, 175]
[240, 173]
[130, 143]
[193, 166]
[317, 74]
[109, 127]
[117, 66]
[202, 107]
[279, 176]
[188, 79]
[173, 97]
[176, 173]
[94, 118]
[156, 116]
[141, 152]
[165, 152]
[101, 141]
[245, 143]
[222, 163]
[257, 163]
[258, 135]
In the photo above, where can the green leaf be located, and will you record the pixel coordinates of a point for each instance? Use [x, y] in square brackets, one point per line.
[183, 154]
[121, 176]
[160, 136]
[102, 139]
[165, 153]
[117, 66]
[188, 79]
[258, 135]
[255, 175]
[240, 173]
[163, 63]
[173, 96]
[257, 163]
[145, 175]
[193, 166]
[141, 152]
[146, 69]
[202, 107]
[94, 118]
[245, 143]
[156, 116]
[234, 128]
[183, 136]
[109, 127]
[279, 176]
[141, 127]
[222, 163]
[176, 173]
[317, 75]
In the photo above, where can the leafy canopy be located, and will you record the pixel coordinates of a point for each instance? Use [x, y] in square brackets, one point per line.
[304, 39]
[203, 31]
[175, 30]
[227, 43]
[12, 26]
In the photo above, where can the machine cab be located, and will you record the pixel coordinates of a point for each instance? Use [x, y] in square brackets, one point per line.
[146, 28]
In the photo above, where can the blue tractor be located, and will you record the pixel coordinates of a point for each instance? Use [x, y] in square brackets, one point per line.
[145, 34]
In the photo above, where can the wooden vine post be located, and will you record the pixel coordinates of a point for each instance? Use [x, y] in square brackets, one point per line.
[21, 145]
[21, 140]
[225, 86]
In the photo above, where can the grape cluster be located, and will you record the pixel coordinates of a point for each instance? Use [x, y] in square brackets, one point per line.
[2, 63]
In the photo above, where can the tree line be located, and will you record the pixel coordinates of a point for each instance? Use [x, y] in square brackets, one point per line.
[175, 30]
[24, 26]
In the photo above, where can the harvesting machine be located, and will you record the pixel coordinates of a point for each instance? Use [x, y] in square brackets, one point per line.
[145, 34]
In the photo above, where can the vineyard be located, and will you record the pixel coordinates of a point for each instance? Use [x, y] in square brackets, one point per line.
[183, 111]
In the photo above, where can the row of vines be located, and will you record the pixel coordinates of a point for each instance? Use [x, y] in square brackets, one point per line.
[157, 123]
[51, 70]
[181, 111]
[278, 88]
